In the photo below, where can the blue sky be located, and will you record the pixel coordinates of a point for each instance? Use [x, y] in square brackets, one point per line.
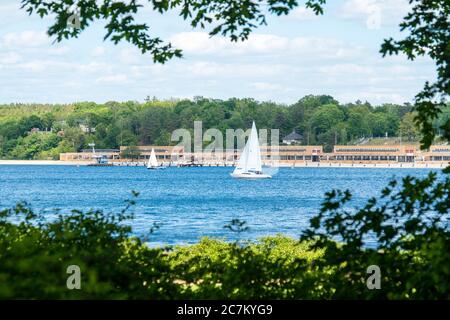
[336, 54]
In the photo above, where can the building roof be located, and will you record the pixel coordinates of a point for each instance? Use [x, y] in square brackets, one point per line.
[293, 136]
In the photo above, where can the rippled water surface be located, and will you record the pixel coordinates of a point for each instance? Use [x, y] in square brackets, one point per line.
[192, 202]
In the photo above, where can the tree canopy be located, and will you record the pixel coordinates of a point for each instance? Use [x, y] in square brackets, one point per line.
[233, 19]
[70, 128]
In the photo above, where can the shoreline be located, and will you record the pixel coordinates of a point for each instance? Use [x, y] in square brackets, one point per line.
[323, 164]
[43, 163]
[397, 165]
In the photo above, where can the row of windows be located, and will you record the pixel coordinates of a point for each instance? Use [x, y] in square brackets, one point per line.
[356, 158]
[367, 150]
[441, 150]
[295, 157]
[375, 158]
[156, 150]
[283, 150]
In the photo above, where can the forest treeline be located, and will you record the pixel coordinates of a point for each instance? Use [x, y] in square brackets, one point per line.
[37, 131]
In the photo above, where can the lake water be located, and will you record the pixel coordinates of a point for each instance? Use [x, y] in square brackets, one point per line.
[192, 202]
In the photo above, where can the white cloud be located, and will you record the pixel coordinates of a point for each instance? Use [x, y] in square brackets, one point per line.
[93, 67]
[235, 70]
[202, 43]
[199, 43]
[373, 12]
[325, 48]
[375, 96]
[39, 65]
[98, 51]
[7, 9]
[345, 69]
[29, 38]
[59, 50]
[302, 14]
[282, 66]
[10, 10]
[129, 56]
[10, 58]
[35, 65]
[266, 86]
[112, 79]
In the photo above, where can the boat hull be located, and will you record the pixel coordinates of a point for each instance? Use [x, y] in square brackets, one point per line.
[155, 168]
[250, 176]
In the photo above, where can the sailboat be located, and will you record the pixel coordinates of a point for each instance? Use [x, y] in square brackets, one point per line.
[249, 165]
[152, 162]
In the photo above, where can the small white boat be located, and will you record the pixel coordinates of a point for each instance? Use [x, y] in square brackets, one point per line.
[250, 165]
[153, 162]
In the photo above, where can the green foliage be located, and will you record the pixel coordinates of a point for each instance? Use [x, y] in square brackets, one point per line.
[35, 254]
[233, 19]
[320, 119]
[407, 127]
[409, 225]
[325, 117]
[428, 26]
[131, 153]
[39, 145]
[274, 268]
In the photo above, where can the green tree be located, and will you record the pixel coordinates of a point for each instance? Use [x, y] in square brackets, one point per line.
[358, 122]
[408, 230]
[32, 146]
[75, 138]
[379, 124]
[131, 152]
[126, 138]
[325, 117]
[408, 128]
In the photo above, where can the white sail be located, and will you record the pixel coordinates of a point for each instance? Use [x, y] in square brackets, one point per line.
[254, 152]
[242, 163]
[250, 160]
[152, 162]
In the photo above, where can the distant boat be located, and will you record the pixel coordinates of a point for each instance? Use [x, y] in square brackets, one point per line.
[250, 165]
[152, 162]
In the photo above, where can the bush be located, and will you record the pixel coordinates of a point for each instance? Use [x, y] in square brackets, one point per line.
[409, 225]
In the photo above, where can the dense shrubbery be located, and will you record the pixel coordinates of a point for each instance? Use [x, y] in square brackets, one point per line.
[410, 225]
[320, 119]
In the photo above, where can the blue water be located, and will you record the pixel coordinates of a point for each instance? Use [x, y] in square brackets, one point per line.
[192, 202]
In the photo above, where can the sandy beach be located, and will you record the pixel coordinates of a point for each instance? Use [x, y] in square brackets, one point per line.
[43, 162]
